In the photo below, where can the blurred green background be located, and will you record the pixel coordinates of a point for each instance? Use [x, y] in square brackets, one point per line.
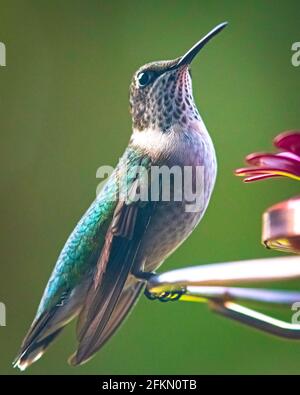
[64, 112]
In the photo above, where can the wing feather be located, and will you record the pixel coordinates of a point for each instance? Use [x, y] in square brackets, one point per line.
[97, 319]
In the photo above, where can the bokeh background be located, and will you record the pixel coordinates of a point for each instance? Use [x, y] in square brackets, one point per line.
[64, 112]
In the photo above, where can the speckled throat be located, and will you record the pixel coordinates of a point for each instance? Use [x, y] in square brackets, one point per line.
[166, 102]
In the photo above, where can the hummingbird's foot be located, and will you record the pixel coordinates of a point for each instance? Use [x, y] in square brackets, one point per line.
[164, 296]
[144, 275]
[149, 295]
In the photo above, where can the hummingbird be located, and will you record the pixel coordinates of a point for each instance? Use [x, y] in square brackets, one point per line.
[102, 268]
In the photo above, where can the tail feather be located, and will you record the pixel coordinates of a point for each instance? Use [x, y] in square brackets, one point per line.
[34, 351]
[124, 305]
[47, 326]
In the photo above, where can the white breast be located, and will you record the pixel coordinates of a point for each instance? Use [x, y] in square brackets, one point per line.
[178, 147]
[181, 146]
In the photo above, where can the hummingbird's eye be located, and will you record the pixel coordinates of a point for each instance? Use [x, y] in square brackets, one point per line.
[146, 77]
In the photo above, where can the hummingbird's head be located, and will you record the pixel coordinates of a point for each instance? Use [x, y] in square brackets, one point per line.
[161, 92]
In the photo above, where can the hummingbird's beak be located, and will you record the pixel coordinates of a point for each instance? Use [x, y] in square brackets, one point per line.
[191, 53]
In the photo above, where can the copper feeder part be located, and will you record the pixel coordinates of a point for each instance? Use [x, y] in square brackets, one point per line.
[281, 226]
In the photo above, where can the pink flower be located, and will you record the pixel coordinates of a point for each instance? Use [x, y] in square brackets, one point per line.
[286, 162]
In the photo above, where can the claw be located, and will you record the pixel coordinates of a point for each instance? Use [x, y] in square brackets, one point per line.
[149, 295]
[165, 296]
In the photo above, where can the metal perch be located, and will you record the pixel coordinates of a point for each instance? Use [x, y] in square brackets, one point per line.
[211, 284]
[214, 283]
